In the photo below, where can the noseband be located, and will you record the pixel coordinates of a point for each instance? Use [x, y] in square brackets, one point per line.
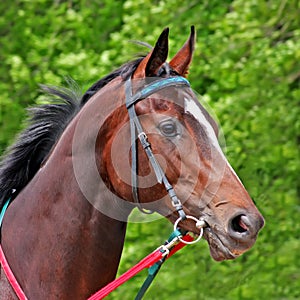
[136, 131]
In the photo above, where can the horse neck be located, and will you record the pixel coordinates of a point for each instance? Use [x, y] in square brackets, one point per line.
[62, 245]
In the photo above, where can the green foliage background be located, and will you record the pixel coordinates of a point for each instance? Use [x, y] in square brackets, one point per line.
[246, 66]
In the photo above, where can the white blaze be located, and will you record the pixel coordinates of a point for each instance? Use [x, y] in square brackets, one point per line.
[190, 106]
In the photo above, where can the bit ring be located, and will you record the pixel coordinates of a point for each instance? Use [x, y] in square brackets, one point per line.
[199, 224]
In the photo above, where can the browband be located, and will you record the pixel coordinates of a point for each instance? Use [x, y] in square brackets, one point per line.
[152, 88]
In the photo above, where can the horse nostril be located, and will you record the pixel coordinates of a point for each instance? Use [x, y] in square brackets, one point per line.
[244, 228]
[240, 224]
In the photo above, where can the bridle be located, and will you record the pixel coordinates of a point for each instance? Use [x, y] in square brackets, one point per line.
[136, 131]
[159, 255]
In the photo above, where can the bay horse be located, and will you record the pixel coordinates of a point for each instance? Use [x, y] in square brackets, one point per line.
[77, 172]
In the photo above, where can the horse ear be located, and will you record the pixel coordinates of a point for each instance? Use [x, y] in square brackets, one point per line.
[181, 61]
[150, 65]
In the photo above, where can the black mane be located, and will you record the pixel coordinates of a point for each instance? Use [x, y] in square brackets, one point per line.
[46, 124]
[124, 71]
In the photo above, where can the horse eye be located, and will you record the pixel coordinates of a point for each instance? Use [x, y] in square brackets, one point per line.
[168, 128]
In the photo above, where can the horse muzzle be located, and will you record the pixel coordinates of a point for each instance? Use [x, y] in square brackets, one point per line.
[229, 242]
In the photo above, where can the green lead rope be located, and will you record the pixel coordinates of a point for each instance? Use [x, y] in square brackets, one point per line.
[152, 272]
[154, 269]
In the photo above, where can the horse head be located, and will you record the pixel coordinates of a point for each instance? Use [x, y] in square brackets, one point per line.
[139, 137]
[184, 140]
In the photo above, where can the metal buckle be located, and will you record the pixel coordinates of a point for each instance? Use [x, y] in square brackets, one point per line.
[142, 135]
[199, 224]
[166, 248]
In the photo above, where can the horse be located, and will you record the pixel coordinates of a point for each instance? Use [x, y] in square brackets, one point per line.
[137, 138]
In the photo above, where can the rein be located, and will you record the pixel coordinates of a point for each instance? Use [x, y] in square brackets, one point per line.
[153, 262]
[177, 239]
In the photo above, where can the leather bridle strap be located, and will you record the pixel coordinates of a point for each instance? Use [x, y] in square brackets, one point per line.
[136, 131]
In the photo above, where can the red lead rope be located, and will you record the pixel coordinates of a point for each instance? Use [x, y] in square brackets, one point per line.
[146, 262]
[10, 276]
